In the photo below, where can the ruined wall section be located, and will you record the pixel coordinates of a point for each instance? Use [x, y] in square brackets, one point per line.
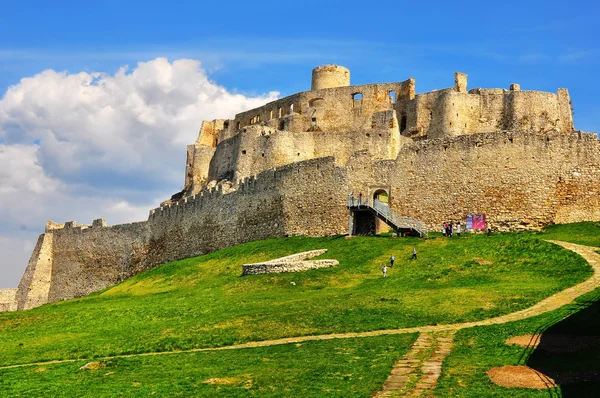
[87, 259]
[519, 180]
[8, 300]
[260, 148]
[34, 286]
[314, 198]
[328, 109]
[454, 111]
[213, 220]
[200, 153]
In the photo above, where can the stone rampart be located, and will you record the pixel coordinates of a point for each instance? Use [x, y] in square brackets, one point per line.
[8, 300]
[519, 180]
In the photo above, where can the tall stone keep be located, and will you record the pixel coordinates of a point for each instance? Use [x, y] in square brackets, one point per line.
[330, 76]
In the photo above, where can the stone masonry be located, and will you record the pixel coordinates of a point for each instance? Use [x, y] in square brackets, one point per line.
[286, 169]
[294, 263]
[8, 300]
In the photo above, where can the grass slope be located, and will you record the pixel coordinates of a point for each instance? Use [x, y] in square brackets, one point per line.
[335, 368]
[204, 302]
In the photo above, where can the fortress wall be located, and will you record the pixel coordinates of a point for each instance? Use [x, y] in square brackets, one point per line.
[86, 260]
[519, 180]
[260, 148]
[35, 284]
[535, 111]
[8, 300]
[314, 198]
[447, 112]
[212, 220]
[197, 167]
[334, 109]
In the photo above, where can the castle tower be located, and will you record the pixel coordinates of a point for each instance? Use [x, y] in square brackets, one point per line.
[329, 76]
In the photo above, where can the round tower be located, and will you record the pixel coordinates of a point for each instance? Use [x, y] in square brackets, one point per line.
[329, 76]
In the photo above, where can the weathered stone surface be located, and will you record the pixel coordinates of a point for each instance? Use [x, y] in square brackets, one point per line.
[293, 263]
[8, 300]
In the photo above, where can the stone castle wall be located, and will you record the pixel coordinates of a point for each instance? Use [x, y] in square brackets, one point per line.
[8, 300]
[260, 148]
[520, 180]
[72, 261]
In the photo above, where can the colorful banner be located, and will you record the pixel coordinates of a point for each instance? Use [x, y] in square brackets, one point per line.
[475, 221]
[469, 222]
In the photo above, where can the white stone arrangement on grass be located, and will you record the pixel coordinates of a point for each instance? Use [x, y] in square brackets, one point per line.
[293, 263]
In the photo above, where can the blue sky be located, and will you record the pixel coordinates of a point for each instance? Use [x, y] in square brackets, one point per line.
[65, 157]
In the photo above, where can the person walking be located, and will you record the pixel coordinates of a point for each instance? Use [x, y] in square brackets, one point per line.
[384, 270]
[392, 259]
[414, 256]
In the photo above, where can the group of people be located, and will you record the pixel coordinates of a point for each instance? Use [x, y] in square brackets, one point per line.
[393, 258]
[449, 229]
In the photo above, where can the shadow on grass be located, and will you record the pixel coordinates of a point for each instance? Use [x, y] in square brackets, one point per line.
[569, 352]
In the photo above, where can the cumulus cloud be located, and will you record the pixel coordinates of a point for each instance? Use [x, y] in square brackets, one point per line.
[86, 145]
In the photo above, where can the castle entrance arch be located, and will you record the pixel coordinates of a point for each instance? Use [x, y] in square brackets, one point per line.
[383, 196]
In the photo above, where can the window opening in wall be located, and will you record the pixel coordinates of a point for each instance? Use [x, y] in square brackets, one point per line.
[403, 123]
[357, 100]
[298, 153]
[262, 154]
[244, 152]
[279, 112]
[271, 114]
[314, 119]
[239, 124]
[282, 125]
[382, 196]
[392, 95]
[226, 124]
[291, 109]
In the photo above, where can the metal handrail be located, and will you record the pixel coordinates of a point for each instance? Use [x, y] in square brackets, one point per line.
[383, 210]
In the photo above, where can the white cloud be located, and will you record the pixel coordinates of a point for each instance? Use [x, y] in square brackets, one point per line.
[78, 146]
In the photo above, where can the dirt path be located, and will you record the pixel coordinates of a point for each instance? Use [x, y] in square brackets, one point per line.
[549, 304]
[416, 374]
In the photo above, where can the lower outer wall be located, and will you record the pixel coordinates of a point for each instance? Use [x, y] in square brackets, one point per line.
[519, 180]
[8, 300]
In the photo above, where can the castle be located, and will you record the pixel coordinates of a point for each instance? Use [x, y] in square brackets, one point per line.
[286, 169]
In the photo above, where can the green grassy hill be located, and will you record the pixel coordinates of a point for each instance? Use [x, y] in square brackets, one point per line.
[204, 302]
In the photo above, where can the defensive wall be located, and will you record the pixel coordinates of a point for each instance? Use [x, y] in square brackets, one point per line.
[518, 179]
[8, 300]
[336, 119]
[72, 260]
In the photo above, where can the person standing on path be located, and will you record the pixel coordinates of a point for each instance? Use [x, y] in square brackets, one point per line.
[458, 229]
[414, 256]
[384, 270]
[392, 259]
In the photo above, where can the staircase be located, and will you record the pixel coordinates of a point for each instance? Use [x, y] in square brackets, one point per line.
[384, 213]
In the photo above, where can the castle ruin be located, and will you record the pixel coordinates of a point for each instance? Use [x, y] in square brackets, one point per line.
[286, 169]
